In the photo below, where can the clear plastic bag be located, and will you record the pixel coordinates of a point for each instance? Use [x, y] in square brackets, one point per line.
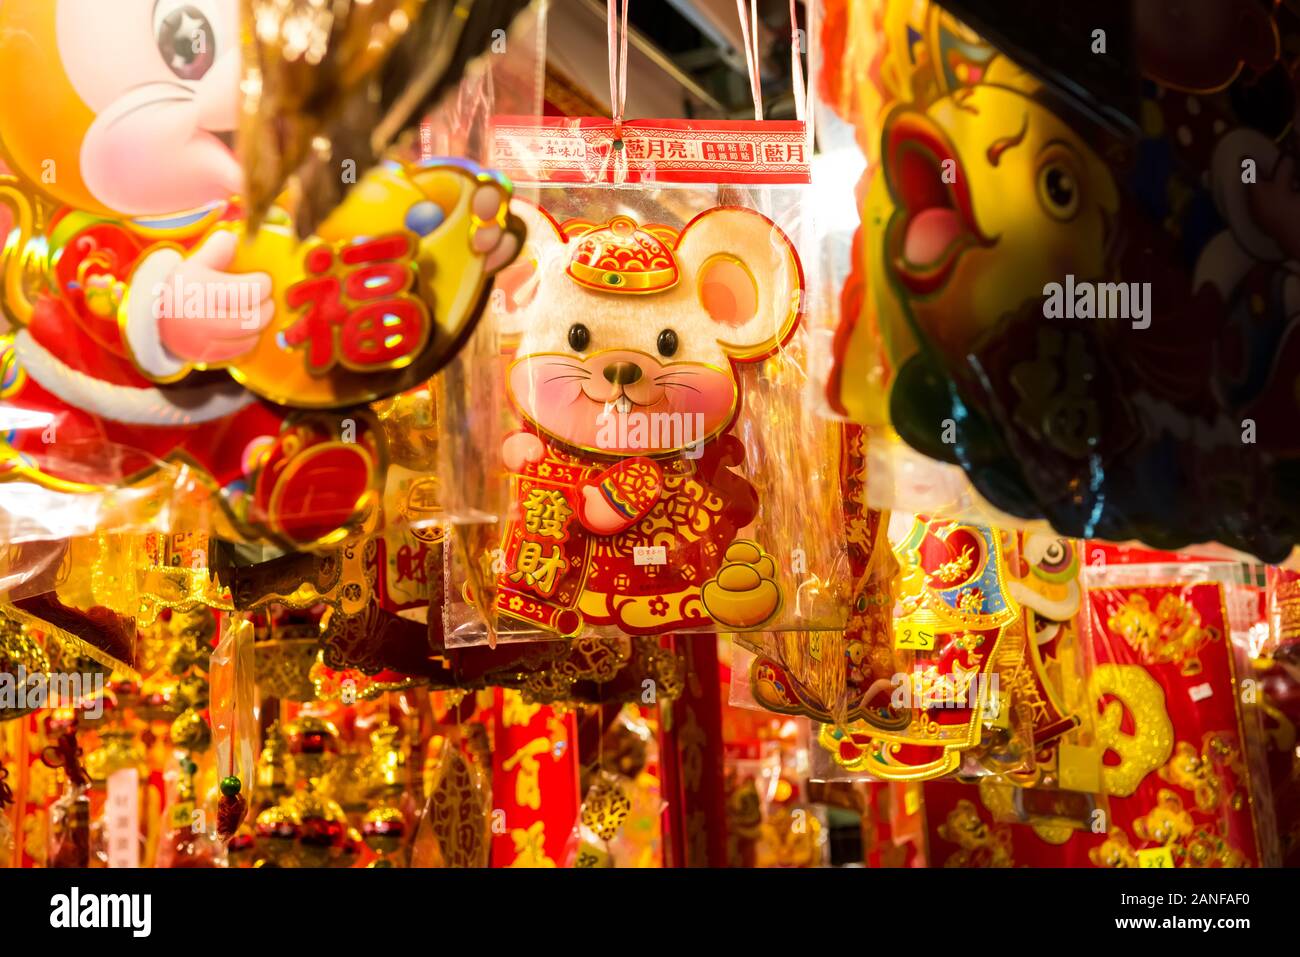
[648, 410]
[1167, 766]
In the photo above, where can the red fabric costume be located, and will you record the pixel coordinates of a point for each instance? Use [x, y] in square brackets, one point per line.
[561, 575]
[75, 408]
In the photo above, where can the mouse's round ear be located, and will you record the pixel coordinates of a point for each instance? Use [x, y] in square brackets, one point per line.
[518, 289]
[747, 278]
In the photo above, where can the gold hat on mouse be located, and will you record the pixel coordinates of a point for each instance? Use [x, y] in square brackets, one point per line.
[620, 256]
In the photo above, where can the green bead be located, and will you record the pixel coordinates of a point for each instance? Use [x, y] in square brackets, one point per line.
[230, 786]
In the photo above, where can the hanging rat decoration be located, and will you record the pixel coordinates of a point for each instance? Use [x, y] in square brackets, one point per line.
[627, 505]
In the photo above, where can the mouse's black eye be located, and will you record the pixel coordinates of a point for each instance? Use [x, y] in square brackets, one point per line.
[667, 343]
[187, 42]
[579, 337]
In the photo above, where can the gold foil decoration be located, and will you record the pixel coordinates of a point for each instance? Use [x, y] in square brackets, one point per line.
[410, 424]
[177, 572]
[284, 665]
[191, 732]
[118, 749]
[383, 772]
[592, 657]
[19, 650]
[979, 844]
[454, 831]
[1152, 740]
[606, 807]
[274, 766]
[343, 81]
[1171, 633]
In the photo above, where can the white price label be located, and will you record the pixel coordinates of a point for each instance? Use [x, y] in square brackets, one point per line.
[650, 555]
[122, 818]
[1200, 692]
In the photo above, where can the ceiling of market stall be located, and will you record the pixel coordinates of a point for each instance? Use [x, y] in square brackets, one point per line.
[685, 57]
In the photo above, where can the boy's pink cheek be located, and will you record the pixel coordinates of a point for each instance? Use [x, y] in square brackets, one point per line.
[147, 165]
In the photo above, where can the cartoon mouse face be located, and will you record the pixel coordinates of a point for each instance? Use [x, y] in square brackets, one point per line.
[628, 334]
[136, 112]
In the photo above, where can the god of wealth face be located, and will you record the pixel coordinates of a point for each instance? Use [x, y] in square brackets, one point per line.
[990, 197]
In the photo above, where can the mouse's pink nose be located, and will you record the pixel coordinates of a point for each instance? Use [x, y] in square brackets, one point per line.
[622, 373]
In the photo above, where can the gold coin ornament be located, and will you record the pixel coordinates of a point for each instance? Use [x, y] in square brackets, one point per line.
[606, 808]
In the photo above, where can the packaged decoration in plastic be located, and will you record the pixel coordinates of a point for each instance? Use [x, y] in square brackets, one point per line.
[69, 832]
[159, 347]
[665, 472]
[959, 641]
[1167, 766]
[1075, 289]
[934, 666]
[620, 821]
[454, 829]
[1047, 582]
[829, 676]
[82, 594]
[770, 819]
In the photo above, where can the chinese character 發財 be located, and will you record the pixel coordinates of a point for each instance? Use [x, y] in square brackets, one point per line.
[536, 568]
[547, 513]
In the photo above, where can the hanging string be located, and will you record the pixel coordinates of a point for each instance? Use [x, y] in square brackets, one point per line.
[802, 87]
[749, 36]
[617, 63]
[796, 66]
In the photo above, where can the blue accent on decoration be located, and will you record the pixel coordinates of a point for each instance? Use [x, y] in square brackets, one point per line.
[424, 218]
[1099, 496]
[186, 219]
[913, 38]
[994, 600]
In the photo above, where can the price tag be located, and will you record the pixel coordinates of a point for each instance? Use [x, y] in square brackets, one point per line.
[913, 637]
[1200, 692]
[1156, 857]
[650, 555]
[122, 818]
[589, 855]
[182, 816]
